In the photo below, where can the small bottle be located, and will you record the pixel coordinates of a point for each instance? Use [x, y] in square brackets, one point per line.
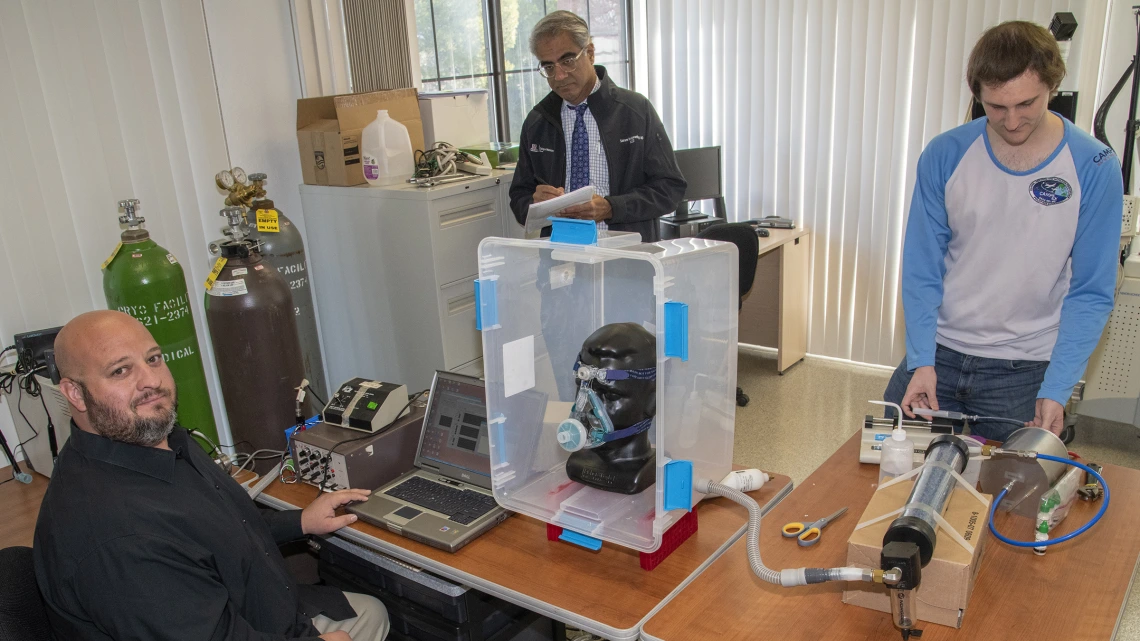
[897, 456]
[745, 480]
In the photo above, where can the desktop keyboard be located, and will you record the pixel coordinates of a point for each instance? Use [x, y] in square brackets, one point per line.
[462, 506]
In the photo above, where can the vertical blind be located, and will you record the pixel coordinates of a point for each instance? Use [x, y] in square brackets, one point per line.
[379, 54]
[102, 101]
[822, 108]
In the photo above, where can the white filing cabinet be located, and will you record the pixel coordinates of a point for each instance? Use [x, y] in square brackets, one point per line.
[393, 271]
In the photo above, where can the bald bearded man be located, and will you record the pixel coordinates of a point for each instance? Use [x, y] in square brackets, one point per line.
[142, 536]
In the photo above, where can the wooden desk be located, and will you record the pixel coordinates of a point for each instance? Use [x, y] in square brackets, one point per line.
[19, 507]
[605, 592]
[1076, 591]
[775, 313]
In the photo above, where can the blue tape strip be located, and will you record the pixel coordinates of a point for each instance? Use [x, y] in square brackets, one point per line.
[292, 429]
[486, 304]
[588, 542]
[573, 231]
[678, 486]
[677, 330]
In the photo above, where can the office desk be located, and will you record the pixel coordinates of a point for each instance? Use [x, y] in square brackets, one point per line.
[606, 592]
[775, 313]
[1076, 591]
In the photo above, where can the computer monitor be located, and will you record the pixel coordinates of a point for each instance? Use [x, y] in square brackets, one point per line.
[701, 168]
[455, 427]
[702, 171]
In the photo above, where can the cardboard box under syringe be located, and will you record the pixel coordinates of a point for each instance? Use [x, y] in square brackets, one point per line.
[948, 580]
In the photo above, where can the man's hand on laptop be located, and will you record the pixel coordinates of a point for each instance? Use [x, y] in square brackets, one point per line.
[321, 517]
[336, 636]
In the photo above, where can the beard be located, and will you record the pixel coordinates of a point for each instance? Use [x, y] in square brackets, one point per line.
[128, 427]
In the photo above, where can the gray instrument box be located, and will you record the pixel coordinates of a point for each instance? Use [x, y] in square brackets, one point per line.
[364, 464]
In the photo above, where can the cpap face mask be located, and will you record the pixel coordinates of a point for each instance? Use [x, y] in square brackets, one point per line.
[589, 424]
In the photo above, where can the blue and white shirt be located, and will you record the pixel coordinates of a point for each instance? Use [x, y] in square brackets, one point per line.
[599, 170]
[1012, 265]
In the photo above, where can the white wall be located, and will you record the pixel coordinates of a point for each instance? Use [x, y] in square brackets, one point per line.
[141, 98]
[256, 68]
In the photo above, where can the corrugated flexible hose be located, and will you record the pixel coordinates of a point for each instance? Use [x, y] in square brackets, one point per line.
[785, 578]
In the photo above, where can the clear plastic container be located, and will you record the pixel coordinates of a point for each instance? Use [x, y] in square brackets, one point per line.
[897, 457]
[386, 151]
[548, 298]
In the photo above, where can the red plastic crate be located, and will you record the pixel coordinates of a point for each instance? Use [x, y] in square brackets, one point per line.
[673, 538]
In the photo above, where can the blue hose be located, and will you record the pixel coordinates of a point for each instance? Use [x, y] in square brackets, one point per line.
[1070, 535]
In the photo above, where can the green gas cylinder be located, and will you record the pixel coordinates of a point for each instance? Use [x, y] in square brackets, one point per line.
[146, 281]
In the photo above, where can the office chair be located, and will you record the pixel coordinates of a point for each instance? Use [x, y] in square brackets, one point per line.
[23, 616]
[748, 247]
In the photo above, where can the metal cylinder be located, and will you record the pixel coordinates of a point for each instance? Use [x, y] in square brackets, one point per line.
[144, 280]
[284, 250]
[253, 330]
[930, 494]
[1030, 478]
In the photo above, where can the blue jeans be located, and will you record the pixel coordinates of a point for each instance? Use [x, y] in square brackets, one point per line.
[981, 386]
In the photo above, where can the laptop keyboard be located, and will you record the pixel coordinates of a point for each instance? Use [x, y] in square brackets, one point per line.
[462, 506]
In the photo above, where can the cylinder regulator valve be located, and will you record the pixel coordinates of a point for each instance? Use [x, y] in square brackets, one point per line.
[242, 189]
[237, 228]
[129, 218]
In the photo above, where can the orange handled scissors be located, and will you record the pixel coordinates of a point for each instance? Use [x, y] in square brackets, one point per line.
[810, 533]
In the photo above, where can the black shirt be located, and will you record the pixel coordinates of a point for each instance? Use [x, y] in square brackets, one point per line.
[141, 543]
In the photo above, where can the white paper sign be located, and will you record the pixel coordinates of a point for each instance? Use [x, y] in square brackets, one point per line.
[518, 366]
[228, 288]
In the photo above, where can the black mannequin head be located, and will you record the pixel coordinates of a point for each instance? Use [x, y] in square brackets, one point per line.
[623, 346]
[625, 465]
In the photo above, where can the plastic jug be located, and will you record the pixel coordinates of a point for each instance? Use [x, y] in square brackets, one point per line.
[897, 456]
[386, 151]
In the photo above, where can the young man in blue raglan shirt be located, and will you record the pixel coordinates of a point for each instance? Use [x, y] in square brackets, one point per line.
[1010, 255]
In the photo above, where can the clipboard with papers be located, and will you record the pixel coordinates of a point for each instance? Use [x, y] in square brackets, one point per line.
[539, 214]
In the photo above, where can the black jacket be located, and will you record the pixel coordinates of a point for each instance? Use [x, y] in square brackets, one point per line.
[645, 182]
[136, 542]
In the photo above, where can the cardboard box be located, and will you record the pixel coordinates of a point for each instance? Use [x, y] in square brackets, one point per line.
[328, 132]
[948, 580]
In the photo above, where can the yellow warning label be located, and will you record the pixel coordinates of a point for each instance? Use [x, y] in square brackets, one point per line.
[114, 252]
[221, 262]
[267, 220]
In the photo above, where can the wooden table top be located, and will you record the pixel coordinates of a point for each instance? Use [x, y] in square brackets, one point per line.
[607, 586]
[20, 506]
[1076, 591]
[777, 237]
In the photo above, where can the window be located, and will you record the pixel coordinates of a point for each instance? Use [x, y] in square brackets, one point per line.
[456, 40]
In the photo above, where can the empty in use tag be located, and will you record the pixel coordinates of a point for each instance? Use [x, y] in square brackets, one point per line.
[221, 262]
[267, 220]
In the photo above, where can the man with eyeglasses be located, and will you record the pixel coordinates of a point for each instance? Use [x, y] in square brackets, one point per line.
[589, 131]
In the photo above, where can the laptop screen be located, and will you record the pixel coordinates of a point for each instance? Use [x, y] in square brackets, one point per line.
[455, 428]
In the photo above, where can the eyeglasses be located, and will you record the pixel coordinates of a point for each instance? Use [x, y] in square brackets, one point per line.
[567, 64]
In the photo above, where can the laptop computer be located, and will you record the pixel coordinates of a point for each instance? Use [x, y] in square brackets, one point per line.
[446, 501]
